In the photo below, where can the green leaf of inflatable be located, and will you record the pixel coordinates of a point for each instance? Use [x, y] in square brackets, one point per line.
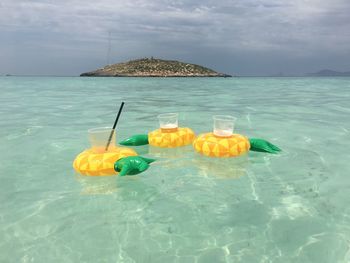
[136, 140]
[261, 145]
[132, 165]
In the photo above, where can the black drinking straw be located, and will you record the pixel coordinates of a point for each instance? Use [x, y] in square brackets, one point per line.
[114, 125]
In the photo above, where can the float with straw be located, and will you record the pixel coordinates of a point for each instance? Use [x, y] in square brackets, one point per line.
[105, 158]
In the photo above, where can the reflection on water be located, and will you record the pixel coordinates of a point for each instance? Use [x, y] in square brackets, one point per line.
[180, 157]
[170, 153]
[96, 185]
[224, 168]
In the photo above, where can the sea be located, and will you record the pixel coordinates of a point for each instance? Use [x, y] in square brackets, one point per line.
[287, 207]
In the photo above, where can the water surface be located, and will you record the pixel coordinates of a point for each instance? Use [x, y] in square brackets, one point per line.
[291, 207]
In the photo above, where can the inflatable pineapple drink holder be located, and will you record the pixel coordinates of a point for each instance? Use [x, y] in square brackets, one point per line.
[222, 142]
[169, 135]
[101, 160]
[212, 145]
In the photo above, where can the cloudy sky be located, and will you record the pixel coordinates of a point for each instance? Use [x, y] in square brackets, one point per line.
[245, 37]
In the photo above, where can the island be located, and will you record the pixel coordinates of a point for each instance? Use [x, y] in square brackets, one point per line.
[153, 67]
[329, 73]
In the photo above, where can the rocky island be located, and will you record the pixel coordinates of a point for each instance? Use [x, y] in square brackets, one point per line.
[152, 67]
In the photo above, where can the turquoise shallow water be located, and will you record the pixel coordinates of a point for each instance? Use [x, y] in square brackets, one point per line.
[291, 207]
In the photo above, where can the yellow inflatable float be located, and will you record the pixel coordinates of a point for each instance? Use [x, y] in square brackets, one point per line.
[92, 162]
[222, 142]
[211, 145]
[171, 138]
[169, 135]
[102, 159]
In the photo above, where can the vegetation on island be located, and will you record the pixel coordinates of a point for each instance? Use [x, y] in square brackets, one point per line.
[152, 67]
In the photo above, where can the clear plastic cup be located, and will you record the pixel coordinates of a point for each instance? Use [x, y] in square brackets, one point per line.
[168, 122]
[224, 125]
[99, 137]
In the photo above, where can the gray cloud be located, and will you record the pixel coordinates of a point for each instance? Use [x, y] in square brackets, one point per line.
[237, 36]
